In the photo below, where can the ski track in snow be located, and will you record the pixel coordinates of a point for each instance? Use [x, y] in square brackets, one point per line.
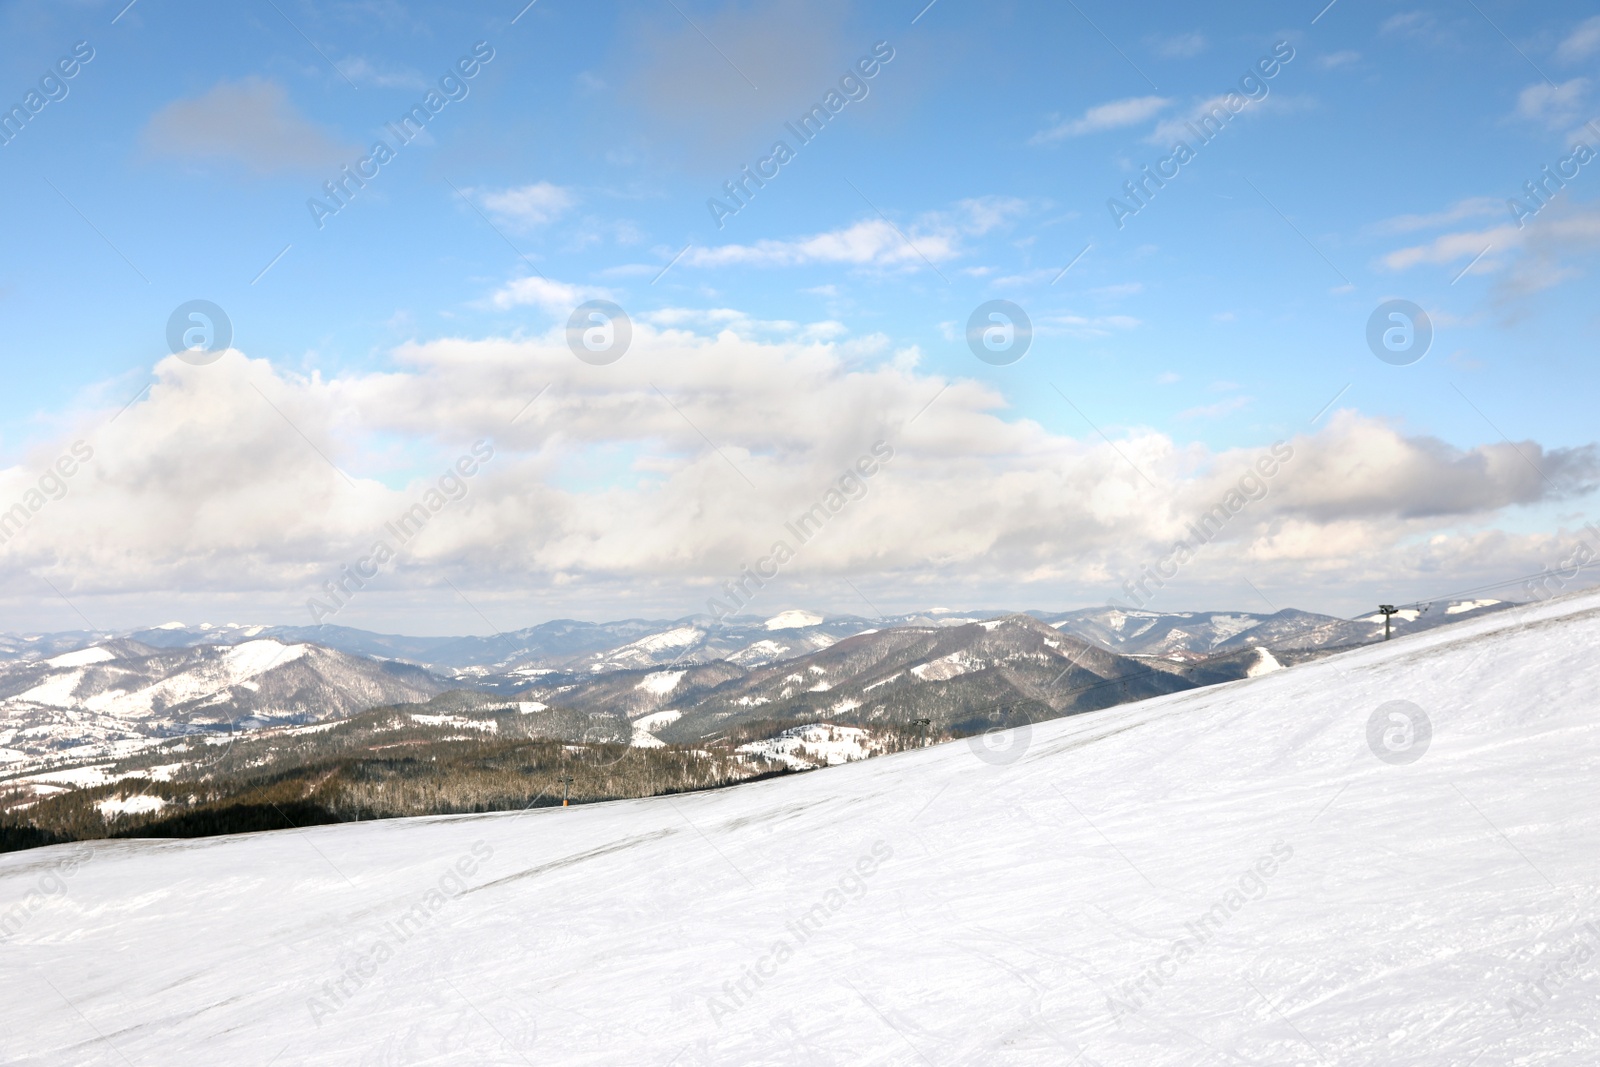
[957, 909]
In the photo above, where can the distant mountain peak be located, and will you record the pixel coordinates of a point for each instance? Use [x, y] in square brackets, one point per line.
[793, 620]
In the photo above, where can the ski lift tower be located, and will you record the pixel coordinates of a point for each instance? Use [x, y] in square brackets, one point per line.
[1387, 610]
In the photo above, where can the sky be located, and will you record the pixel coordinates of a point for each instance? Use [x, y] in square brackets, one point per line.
[797, 220]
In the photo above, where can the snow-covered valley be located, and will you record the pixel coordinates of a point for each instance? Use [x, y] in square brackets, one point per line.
[1295, 868]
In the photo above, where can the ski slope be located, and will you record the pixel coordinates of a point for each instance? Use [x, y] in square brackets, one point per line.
[1223, 876]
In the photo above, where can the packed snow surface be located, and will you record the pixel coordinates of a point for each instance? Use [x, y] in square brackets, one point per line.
[1228, 875]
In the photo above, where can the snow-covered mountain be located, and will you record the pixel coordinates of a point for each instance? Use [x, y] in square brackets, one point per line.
[961, 678]
[122, 695]
[966, 677]
[94, 695]
[749, 641]
[1181, 633]
[1381, 857]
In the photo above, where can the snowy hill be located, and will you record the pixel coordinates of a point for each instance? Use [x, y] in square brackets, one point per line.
[120, 696]
[1225, 875]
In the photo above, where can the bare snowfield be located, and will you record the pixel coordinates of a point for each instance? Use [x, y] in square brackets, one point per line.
[1229, 875]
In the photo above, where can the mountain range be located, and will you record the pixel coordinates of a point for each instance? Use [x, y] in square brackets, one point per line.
[569, 644]
[122, 695]
[75, 696]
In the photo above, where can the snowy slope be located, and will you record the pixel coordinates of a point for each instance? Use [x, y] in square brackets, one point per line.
[1225, 875]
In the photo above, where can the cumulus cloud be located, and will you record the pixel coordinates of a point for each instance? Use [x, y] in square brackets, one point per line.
[250, 122]
[243, 476]
[1110, 116]
[1363, 469]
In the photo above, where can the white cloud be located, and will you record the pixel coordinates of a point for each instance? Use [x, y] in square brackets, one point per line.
[1335, 60]
[526, 206]
[1475, 207]
[718, 320]
[1541, 254]
[1554, 106]
[979, 215]
[934, 237]
[871, 242]
[974, 499]
[1207, 114]
[542, 292]
[1583, 42]
[1373, 470]
[1453, 247]
[1118, 113]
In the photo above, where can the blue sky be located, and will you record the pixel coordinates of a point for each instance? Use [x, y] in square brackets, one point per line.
[1225, 314]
